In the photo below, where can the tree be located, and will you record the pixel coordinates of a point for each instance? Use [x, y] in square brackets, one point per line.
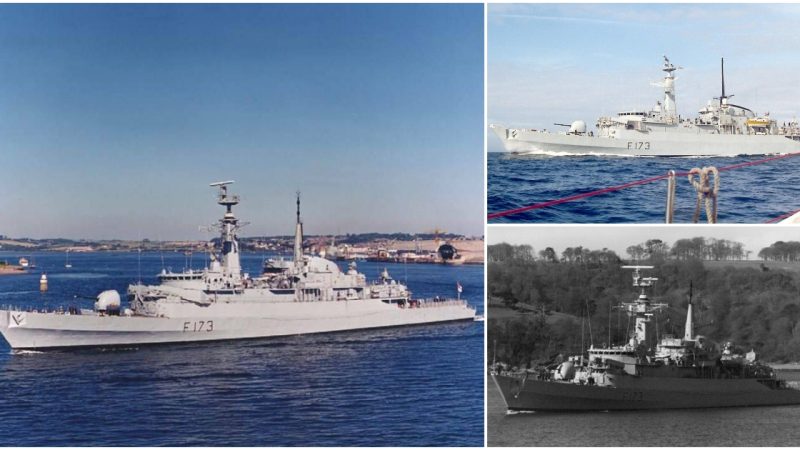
[548, 255]
[635, 251]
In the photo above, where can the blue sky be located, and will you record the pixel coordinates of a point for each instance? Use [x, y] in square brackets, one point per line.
[562, 62]
[114, 118]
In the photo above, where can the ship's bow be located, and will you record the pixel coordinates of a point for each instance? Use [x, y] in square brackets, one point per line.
[502, 133]
[5, 318]
[508, 386]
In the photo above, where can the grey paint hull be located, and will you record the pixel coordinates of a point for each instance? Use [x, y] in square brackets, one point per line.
[637, 393]
[38, 331]
[634, 143]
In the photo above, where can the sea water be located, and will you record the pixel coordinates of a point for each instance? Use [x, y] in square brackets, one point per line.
[407, 386]
[763, 426]
[752, 194]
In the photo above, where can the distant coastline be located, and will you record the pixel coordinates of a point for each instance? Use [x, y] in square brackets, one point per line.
[368, 245]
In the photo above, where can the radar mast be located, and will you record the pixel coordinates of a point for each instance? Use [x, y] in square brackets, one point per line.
[642, 309]
[229, 224]
[670, 108]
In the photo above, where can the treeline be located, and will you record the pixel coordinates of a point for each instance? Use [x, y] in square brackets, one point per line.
[573, 295]
[650, 250]
[709, 249]
[525, 253]
[781, 251]
[695, 248]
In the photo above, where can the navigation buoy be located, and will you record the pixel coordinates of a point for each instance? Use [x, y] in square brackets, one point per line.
[43, 283]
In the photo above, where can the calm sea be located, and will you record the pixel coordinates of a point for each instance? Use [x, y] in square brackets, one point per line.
[768, 426]
[753, 194]
[411, 386]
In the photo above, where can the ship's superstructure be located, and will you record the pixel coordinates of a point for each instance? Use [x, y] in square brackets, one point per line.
[721, 128]
[675, 373]
[307, 295]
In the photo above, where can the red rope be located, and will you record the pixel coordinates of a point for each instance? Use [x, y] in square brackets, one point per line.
[575, 197]
[624, 186]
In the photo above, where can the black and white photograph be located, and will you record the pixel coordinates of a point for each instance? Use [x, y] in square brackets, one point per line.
[640, 336]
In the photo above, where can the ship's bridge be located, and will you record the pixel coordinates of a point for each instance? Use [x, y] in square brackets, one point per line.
[631, 113]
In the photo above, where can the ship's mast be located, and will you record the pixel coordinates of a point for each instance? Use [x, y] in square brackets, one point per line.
[723, 99]
[688, 334]
[229, 224]
[298, 235]
[670, 108]
[642, 309]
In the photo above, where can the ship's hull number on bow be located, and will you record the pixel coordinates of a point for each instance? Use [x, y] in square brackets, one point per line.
[199, 325]
[638, 145]
[635, 396]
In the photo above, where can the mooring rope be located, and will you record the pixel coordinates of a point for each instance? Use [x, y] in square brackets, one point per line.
[705, 192]
[607, 190]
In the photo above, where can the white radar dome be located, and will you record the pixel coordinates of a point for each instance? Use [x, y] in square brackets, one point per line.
[107, 301]
[577, 127]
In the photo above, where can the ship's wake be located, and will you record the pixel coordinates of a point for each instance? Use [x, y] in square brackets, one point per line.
[514, 413]
[555, 154]
[26, 352]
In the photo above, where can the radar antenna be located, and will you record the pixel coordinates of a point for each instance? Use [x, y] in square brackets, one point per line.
[228, 201]
[642, 309]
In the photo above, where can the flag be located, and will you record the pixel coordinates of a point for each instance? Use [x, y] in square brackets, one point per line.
[458, 286]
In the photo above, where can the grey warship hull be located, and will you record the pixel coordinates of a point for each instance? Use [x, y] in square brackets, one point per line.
[47, 331]
[627, 143]
[522, 393]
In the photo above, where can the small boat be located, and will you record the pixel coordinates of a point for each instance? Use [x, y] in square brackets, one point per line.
[68, 265]
[23, 262]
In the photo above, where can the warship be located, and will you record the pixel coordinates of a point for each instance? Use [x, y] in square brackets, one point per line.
[688, 372]
[720, 129]
[306, 295]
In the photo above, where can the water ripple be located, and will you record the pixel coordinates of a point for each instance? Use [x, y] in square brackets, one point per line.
[410, 386]
[750, 195]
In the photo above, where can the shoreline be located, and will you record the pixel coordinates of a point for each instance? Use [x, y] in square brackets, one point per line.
[12, 270]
